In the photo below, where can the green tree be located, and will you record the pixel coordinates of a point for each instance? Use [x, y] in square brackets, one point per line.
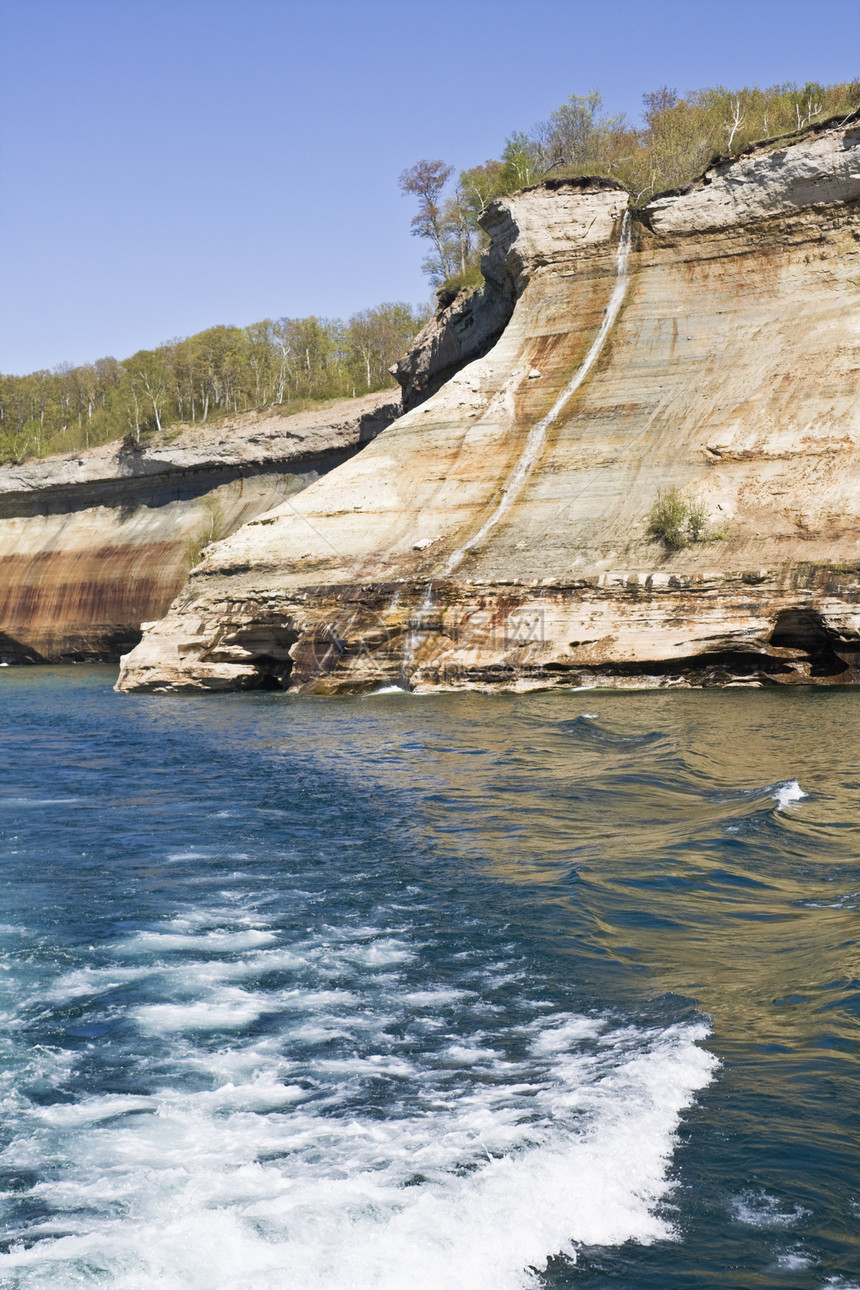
[376, 338]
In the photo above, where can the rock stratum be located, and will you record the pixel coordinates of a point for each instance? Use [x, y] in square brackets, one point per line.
[497, 535]
[92, 546]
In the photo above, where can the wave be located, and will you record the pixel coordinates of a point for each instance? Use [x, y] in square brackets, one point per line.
[339, 1128]
[787, 793]
[38, 801]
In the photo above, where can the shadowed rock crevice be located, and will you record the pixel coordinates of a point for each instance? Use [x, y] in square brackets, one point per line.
[464, 327]
[12, 651]
[801, 636]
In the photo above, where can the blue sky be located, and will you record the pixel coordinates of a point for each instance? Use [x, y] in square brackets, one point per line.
[167, 166]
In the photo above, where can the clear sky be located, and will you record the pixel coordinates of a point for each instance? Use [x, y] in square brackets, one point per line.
[167, 165]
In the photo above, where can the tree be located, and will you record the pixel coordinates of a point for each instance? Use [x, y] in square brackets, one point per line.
[811, 99]
[149, 384]
[261, 352]
[523, 162]
[377, 337]
[572, 129]
[213, 373]
[457, 230]
[425, 180]
[480, 186]
[737, 120]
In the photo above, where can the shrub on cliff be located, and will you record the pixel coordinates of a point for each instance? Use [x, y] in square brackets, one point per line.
[677, 520]
[468, 281]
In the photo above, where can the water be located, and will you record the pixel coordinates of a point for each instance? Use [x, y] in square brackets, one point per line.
[537, 435]
[447, 992]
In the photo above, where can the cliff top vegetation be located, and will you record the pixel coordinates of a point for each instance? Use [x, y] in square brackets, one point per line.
[283, 364]
[287, 363]
[679, 136]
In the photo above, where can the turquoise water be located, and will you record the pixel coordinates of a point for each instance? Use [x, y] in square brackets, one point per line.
[438, 992]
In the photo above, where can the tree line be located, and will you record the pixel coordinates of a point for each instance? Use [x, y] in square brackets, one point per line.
[282, 364]
[680, 134]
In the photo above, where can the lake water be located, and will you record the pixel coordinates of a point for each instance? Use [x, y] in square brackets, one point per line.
[428, 992]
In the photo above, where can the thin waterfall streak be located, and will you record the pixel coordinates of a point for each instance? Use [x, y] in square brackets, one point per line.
[537, 434]
[415, 629]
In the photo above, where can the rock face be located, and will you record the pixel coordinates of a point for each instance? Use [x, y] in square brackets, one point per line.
[498, 534]
[468, 324]
[464, 327]
[92, 546]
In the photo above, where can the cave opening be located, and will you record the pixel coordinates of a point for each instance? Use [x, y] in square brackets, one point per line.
[803, 630]
[273, 673]
[267, 647]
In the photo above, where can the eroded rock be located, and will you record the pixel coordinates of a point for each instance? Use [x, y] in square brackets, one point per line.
[93, 545]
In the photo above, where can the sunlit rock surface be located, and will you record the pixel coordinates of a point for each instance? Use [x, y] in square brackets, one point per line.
[92, 546]
[461, 548]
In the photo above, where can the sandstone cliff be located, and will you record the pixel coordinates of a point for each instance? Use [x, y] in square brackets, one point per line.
[498, 534]
[92, 546]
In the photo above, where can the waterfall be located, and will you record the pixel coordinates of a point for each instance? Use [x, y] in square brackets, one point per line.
[537, 434]
[416, 626]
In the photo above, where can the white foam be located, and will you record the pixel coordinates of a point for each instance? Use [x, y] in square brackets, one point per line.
[38, 801]
[760, 1209]
[380, 953]
[94, 1110]
[231, 1010]
[214, 942]
[90, 981]
[787, 793]
[557, 1034]
[248, 1184]
[264, 1160]
[794, 1260]
[434, 998]
[469, 1055]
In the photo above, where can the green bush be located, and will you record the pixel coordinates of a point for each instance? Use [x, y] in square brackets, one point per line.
[676, 520]
[697, 520]
[470, 280]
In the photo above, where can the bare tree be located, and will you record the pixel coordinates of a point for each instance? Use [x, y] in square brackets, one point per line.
[805, 118]
[736, 121]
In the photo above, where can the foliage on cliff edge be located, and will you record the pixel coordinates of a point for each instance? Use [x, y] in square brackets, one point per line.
[678, 137]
